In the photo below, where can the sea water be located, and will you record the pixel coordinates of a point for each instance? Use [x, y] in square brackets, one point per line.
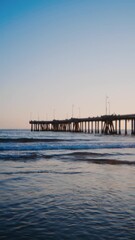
[56, 185]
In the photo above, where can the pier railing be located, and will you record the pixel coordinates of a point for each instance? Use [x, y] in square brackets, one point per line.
[106, 124]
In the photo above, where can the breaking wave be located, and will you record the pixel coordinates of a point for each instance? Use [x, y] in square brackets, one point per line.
[68, 146]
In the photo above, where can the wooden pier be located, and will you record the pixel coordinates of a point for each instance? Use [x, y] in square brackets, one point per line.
[106, 124]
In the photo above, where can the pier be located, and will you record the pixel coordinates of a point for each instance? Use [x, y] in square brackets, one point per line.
[106, 124]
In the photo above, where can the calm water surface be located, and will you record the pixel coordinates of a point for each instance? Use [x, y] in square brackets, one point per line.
[66, 186]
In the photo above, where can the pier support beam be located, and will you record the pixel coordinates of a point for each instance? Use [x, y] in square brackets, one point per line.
[133, 127]
[101, 126]
[119, 126]
[85, 126]
[95, 127]
[115, 126]
[88, 127]
[92, 127]
[125, 127]
[108, 127]
[98, 126]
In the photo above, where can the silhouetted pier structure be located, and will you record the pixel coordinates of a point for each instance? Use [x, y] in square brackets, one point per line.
[106, 124]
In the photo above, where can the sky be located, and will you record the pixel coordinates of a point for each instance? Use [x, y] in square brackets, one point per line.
[63, 58]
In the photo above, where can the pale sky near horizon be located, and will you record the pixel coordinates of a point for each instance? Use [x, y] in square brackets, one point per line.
[63, 57]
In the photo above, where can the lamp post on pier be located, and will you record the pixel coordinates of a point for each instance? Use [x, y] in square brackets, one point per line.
[107, 105]
[106, 102]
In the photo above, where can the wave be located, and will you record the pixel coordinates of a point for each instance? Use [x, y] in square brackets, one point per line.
[98, 158]
[40, 140]
[90, 157]
[112, 161]
[25, 156]
[68, 146]
[20, 156]
[40, 171]
[29, 140]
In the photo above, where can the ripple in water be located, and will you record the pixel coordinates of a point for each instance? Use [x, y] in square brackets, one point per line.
[58, 193]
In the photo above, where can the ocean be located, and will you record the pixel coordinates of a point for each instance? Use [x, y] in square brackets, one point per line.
[56, 185]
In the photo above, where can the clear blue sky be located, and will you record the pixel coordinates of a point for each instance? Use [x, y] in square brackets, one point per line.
[64, 56]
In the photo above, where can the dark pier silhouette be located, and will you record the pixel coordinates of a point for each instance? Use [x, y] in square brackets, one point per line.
[106, 124]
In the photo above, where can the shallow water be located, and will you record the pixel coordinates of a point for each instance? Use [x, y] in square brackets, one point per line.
[66, 186]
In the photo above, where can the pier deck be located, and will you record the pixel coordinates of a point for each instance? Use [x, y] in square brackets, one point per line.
[106, 124]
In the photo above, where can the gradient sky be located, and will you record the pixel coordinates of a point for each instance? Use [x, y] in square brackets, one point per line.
[59, 57]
